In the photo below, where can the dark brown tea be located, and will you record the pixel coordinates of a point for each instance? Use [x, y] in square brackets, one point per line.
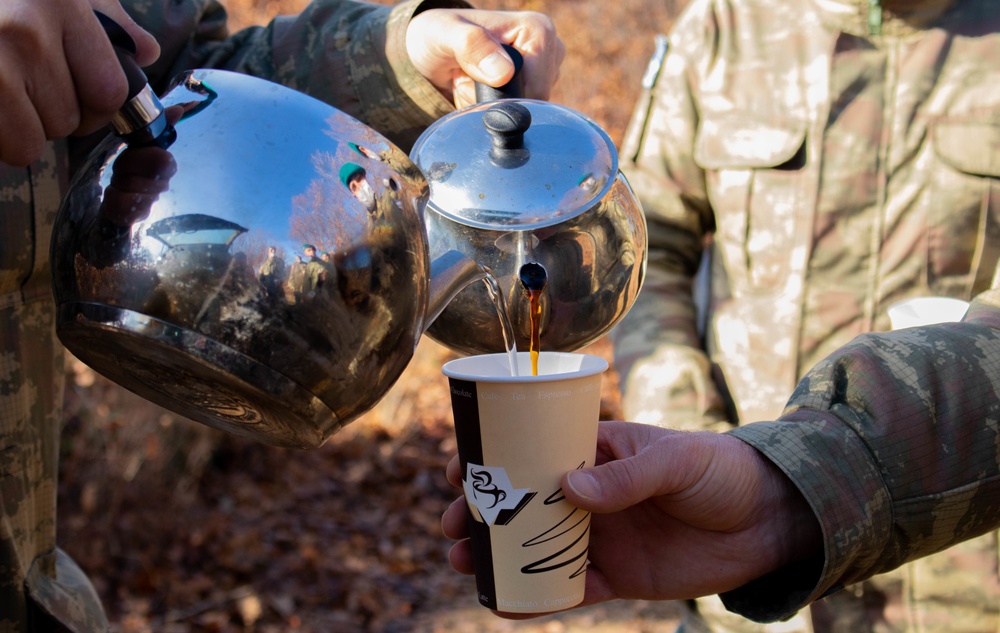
[533, 278]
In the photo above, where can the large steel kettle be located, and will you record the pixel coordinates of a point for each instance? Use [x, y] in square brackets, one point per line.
[251, 258]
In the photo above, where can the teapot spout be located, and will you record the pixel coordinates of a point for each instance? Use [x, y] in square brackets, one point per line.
[451, 272]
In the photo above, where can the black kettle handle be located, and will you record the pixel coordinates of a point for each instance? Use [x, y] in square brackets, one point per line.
[141, 120]
[125, 49]
[513, 89]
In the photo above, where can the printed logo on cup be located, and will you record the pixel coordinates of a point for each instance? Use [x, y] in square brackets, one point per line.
[488, 489]
[560, 536]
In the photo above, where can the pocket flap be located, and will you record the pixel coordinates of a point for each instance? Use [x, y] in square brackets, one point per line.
[971, 147]
[747, 141]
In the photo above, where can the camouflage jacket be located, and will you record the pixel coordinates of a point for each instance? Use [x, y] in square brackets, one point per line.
[349, 54]
[837, 160]
[837, 164]
[913, 418]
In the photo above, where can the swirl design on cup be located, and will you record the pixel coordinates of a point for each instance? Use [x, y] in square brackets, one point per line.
[482, 483]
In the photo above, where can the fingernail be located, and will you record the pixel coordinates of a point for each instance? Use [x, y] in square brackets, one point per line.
[584, 484]
[494, 65]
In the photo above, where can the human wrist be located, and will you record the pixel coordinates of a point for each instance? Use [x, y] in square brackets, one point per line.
[795, 533]
[791, 555]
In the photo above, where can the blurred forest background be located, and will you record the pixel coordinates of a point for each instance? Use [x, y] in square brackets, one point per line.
[185, 529]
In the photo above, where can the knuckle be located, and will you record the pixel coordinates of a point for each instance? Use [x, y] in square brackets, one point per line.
[22, 154]
[63, 124]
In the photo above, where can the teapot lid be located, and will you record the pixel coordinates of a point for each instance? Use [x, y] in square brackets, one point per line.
[515, 164]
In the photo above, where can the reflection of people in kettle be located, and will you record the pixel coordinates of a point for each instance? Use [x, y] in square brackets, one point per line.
[354, 276]
[364, 151]
[402, 169]
[368, 266]
[355, 178]
[381, 207]
[296, 279]
[272, 274]
[196, 257]
[318, 273]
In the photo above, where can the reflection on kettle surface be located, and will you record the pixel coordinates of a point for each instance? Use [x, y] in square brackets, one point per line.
[595, 263]
[169, 262]
[272, 275]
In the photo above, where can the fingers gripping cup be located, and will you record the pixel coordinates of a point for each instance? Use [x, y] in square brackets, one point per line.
[517, 437]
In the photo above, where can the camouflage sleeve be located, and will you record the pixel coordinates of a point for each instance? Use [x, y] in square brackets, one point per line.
[349, 54]
[658, 353]
[894, 441]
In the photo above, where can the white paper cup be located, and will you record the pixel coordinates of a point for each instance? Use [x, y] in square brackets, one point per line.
[517, 437]
[926, 311]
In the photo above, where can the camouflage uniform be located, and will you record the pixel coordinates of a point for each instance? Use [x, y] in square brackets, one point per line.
[837, 158]
[272, 276]
[913, 417]
[349, 54]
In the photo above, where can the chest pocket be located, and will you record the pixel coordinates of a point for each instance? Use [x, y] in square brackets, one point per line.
[963, 243]
[755, 172]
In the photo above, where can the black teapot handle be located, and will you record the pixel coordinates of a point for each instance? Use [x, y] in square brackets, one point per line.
[141, 121]
[507, 120]
[513, 89]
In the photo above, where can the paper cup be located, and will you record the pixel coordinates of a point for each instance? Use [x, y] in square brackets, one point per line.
[926, 311]
[517, 437]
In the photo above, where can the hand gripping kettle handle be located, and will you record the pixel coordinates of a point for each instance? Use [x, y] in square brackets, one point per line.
[141, 120]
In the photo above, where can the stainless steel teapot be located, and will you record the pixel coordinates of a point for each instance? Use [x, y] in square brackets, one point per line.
[531, 188]
[256, 260]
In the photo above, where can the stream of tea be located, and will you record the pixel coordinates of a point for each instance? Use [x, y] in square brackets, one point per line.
[493, 289]
[533, 279]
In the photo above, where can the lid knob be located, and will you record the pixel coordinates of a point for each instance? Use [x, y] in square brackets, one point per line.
[507, 122]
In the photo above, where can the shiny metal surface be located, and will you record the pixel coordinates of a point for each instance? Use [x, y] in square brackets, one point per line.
[518, 181]
[561, 167]
[168, 292]
[141, 111]
[165, 251]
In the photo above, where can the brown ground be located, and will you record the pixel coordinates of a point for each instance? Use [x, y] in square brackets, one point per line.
[185, 529]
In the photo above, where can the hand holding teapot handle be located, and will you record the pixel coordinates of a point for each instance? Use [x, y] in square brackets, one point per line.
[453, 48]
[513, 89]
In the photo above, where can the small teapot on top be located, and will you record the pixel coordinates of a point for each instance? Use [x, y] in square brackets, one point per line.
[531, 188]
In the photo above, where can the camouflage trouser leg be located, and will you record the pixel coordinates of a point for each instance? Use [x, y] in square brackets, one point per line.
[957, 590]
[954, 591]
[31, 380]
[30, 405]
[708, 615]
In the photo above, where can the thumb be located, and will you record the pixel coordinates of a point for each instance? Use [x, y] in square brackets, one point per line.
[485, 60]
[147, 48]
[669, 464]
[470, 49]
[615, 485]
[493, 68]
